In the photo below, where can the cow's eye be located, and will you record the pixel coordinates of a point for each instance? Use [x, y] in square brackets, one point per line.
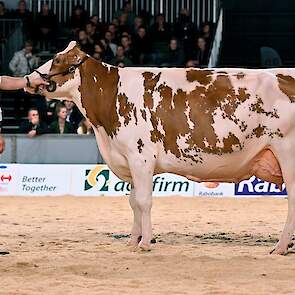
[57, 61]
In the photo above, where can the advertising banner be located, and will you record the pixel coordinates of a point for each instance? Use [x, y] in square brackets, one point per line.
[214, 189]
[98, 180]
[43, 180]
[256, 187]
[8, 179]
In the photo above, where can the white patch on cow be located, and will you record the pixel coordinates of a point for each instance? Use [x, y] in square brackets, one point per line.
[181, 141]
[187, 112]
[223, 126]
[108, 66]
[71, 45]
[131, 84]
[44, 69]
[95, 79]
[206, 143]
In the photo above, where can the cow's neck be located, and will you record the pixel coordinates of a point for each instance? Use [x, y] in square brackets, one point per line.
[99, 87]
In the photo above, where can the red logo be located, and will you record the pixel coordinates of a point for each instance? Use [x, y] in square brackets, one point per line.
[5, 178]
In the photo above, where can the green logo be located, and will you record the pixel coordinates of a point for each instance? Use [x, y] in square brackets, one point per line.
[98, 176]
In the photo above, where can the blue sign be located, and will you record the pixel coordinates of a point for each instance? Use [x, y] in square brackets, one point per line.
[256, 186]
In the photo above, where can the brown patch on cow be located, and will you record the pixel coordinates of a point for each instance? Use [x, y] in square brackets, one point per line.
[204, 77]
[240, 75]
[257, 107]
[287, 86]
[203, 102]
[149, 83]
[125, 109]
[140, 145]
[99, 98]
[143, 114]
[135, 115]
[259, 131]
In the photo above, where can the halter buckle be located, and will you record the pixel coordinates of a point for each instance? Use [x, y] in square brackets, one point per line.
[72, 69]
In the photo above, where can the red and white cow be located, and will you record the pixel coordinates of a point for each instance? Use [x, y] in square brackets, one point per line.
[220, 125]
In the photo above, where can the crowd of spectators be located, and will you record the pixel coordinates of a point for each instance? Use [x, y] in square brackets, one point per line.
[128, 40]
[65, 119]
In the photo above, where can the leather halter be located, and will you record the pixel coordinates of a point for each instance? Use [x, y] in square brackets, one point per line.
[52, 84]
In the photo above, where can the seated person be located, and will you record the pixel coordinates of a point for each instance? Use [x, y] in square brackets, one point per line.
[73, 114]
[61, 125]
[84, 127]
[120, 58]
[33, 125]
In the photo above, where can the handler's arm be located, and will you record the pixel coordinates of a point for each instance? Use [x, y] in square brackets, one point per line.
[14, 83]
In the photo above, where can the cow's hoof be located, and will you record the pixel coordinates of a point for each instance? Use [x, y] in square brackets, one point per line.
[144, 247]
[132, 242]
[278, 250]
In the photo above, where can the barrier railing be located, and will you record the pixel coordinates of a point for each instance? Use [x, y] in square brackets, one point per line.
[63, 8]
[200, 10]
[215, 50]
[51, 149]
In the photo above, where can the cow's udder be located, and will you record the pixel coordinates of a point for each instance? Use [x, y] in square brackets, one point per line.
[267, 167]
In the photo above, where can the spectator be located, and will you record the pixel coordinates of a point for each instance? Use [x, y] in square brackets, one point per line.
[184, 31]
[84, 42]
[46, 27]
[138, 23]
[113, 29]
[123, 27]
[61, 125]
[128, 13]
[175, 56]
[46, 108]
[90, 30]
[26, 16]
[120, 59]
[108, 53]
[200, 53]
[85, 127]
[78, 19]
[3, 11]
[24, 61]
[73, 115]
[190, 64]
[160, 30]
[109, 39]
[98, 51]
[33, 125]
[128, 50]
[206, 33]
[142, 46]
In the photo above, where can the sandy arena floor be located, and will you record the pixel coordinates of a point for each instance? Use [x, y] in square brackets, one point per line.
[204, 246]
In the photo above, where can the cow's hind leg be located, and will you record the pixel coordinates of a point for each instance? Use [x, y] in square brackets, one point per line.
[288, 170]
[142, 178]
[136, 227]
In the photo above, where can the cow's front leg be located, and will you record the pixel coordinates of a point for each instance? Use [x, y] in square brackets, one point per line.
[142, 177]
[136, 227]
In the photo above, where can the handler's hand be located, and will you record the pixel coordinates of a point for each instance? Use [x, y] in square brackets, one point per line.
[35, 83]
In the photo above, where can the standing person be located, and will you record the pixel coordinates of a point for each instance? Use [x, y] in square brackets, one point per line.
[12, 83]
[22, 63]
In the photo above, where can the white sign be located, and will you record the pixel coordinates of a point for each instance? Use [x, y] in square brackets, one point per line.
[43, 180]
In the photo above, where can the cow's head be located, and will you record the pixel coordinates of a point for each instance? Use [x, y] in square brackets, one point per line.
[63, 74]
